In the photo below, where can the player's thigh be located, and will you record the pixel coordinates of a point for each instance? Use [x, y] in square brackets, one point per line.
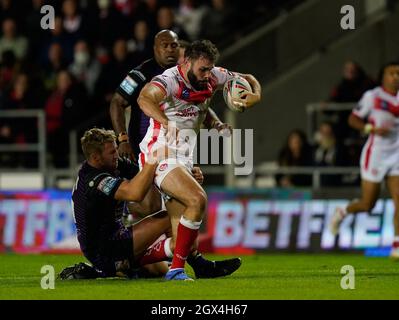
[181, 185]
[370, 192]
[393, 187]
[150, 204]
[148, 230]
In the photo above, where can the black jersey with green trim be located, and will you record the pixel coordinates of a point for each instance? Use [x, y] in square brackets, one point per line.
[96, 212]
[130, 89]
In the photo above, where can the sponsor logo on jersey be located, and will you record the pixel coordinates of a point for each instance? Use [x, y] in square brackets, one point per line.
[106, 185]
[163, 167]
[128, 85]
[384, 105]
[185, 93]
[188, 112]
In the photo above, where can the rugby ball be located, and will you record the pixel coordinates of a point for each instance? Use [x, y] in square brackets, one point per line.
[235, 88]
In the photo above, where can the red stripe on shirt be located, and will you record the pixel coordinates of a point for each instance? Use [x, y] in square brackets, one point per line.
[369, 147]
[155, 134]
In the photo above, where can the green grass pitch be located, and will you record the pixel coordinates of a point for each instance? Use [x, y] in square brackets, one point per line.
[266, 276]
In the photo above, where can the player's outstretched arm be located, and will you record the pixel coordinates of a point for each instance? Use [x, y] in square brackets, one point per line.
[117, 113]
[149, 100]
[137, 188]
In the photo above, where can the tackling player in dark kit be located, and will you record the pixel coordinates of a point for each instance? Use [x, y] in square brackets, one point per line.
[98, 198]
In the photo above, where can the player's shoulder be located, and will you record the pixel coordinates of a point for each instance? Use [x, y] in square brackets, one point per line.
[171, 72]
[168, 77]
[143, 72]
[371, 94]
[220, 70]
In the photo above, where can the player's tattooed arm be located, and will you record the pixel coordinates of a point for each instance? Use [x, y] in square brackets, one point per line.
[149, 100]
[254, 97]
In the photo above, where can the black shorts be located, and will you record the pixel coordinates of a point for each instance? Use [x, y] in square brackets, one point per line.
[114, 254]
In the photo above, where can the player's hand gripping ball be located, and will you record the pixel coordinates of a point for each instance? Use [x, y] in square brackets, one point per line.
[235, 93]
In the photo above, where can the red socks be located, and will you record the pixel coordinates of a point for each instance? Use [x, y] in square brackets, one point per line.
[159, 251]
[187, 232]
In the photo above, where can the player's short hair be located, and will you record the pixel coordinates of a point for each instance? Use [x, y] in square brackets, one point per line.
[202, 48]
[184, 44]
[93, 140]
[382, 70]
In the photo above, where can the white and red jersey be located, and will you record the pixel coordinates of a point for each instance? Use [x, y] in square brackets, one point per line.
[381, 109]
[380, 154]
[183, 105]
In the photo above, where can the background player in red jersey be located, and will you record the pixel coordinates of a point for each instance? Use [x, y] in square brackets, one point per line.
[378, 116]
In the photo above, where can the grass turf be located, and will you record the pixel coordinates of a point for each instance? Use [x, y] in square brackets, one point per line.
[268, 276]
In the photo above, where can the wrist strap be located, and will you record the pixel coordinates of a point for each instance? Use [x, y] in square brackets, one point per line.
[368, 128]
[123, 137]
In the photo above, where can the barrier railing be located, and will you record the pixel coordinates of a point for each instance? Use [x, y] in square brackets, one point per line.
[226, 171]
[39, 147]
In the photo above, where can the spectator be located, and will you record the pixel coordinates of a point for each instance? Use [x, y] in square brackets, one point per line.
[189, 15]
[113, 72]
[353, 84]
[217, 22]
[8, 69]
[34, 31]
[66, 109]
[72, 20]
[166, 20]
[10, 41]
[85, 68]
[329, 153]
[350, 89]
[140, 46]
[295, 153]
[10, 9]
[58, 35]
[109, 24]
[21, 130]
[55, 64]
[147, 10]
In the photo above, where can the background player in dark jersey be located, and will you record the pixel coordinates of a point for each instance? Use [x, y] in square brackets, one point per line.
[101, 189]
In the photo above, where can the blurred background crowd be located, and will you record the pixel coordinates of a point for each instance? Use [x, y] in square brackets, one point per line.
[73, 70]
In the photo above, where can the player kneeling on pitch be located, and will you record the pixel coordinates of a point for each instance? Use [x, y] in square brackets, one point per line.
[99, 196]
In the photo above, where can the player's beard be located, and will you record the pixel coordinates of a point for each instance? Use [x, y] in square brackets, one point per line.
[197, 84]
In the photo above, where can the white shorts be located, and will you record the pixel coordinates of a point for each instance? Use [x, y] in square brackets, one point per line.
[376, 164]
[165, 167]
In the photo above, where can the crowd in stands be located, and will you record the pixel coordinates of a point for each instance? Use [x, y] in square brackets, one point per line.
[335, 143]
[72, 71]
